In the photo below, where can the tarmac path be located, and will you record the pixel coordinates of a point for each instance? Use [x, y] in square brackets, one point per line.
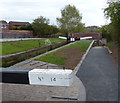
[99, 74]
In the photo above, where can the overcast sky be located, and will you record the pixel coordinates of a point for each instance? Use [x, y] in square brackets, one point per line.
[28, 10]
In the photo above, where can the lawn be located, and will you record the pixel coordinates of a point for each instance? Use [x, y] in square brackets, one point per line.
[68, 56]
[24, 45]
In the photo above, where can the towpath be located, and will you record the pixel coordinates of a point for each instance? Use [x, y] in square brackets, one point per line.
[99, 74]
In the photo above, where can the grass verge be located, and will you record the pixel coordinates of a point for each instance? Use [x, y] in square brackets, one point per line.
[24, 45]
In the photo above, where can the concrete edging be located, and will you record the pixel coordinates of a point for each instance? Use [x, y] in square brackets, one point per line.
[110, 52]
[83, 57]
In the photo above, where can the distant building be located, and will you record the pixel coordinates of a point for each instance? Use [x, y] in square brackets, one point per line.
[3, 25]
[6, 30]
[93, 28]
[14, 24]
[77, 36]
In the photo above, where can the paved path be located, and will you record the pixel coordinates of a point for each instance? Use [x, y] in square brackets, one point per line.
[99, 74]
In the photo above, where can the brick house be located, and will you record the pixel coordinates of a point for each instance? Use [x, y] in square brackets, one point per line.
[7, 32]
[3, 25]
[13, 24]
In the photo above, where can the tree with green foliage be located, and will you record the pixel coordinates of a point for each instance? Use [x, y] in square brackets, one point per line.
[70, 20]
[113, 12]
[52, 29]
[104, 30]
[41, 27]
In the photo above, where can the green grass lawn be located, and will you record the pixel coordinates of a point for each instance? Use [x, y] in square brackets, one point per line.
[83, 45]
[55, 59]
[23, 45]
[52, 58]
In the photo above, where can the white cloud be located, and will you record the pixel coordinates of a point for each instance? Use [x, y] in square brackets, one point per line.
[28, 10]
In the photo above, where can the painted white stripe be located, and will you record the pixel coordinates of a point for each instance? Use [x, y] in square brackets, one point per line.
[84, 38]
[61, 37]
[72, 39]
[51, 77]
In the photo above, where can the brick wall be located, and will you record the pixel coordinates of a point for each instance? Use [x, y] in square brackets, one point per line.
[16, 34]
[79, 35]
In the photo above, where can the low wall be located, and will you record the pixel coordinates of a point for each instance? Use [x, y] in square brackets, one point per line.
[16, 34]
[8, 60]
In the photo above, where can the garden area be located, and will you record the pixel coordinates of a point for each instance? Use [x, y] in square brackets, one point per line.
[68, 56]
[24, 45]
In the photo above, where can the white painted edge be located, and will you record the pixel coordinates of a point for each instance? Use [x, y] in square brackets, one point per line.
[85, 38]
[61, 37]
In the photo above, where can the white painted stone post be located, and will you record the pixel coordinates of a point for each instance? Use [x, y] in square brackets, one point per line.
[51, 77]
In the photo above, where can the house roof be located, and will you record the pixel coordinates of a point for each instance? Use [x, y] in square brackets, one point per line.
[3, 22]
[18, 23]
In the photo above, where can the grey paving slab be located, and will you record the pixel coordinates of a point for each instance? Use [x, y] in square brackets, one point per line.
[39, 65]
[99, 74]
[21, 92]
